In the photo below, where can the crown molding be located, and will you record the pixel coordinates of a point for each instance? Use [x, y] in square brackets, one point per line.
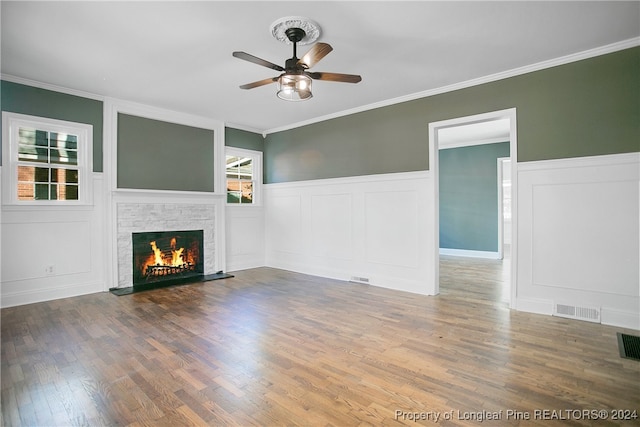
[52, 87]
[245, 128]
[591, 53]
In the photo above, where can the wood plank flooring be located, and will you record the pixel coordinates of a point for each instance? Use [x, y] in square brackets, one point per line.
[271, 347]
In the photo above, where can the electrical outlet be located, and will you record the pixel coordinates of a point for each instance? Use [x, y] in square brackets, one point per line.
[50, 270]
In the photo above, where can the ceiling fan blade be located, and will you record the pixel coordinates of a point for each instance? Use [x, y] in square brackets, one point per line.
[335, 77]
[315, 54]
[259, 83]
[256, 60]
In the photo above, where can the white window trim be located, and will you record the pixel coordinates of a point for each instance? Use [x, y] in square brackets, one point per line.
[11, 122]
[257, 173]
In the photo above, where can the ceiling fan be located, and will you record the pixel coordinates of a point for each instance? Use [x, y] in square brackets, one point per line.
[294, 84]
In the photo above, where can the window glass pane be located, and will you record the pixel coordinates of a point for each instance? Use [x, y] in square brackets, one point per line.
[245, 169]
[240, 179]
[233, 197]
[247, 192]
[71, 192]
[42, 138]
[27, 136]
[48, 162]
[233, 191]
[31, 153]
[41, 174]
[26, 191]
[69, 176]
[64, 192]
[26, 173]
[30, 136]
[63, 140]
[42, 192]
[232, 166]
[64, 156]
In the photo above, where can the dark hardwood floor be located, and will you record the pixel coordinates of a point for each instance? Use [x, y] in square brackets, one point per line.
[270, 347]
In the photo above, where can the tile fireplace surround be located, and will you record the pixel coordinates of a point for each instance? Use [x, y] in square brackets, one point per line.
[134, 217]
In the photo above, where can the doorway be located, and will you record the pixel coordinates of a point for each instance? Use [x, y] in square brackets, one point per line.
[437, 134]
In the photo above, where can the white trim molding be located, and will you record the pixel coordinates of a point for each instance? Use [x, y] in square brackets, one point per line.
[434, 227]
[374, 228]
[591, 53]
[66, 248]
[579, 236]
[115, 195]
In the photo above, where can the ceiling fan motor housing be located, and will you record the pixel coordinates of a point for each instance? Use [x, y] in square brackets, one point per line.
[295, 34]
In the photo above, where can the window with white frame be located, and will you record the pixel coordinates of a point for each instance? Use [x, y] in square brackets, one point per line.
[243, 176]
[48, 161]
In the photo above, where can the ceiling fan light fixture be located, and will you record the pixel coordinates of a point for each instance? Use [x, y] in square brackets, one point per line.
[294, 87]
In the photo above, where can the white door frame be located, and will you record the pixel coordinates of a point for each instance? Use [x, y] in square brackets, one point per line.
[434, 127]
[501, 239]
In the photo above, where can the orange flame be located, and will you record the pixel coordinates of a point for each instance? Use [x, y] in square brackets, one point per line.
[176, 259]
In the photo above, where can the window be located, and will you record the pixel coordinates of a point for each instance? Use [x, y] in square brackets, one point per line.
[48, 160]
[244, 176]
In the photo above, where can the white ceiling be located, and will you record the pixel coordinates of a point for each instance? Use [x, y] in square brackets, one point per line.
[177, 55]
[488, 132]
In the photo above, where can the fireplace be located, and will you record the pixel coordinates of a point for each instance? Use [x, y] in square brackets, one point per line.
[167, 256]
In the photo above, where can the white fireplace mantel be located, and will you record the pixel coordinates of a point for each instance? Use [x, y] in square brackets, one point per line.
[156, 210]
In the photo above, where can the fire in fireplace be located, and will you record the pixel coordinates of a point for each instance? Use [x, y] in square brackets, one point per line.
[167, 255]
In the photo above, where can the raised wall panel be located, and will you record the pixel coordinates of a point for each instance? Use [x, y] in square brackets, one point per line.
[331, 226]
[40, 249]
[52, 252]
[579, 236]
[585, 236]
[391, 221]
[373, 228]
[244, 237]
[285, 223]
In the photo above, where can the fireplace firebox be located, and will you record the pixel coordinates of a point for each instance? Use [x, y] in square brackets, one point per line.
[167, 256]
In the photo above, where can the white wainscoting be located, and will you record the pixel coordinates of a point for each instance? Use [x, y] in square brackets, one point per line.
[578, 231]
[51, 252]
[372, 229]
[245, 237]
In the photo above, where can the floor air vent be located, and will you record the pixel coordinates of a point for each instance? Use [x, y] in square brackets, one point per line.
[590, 314]
[629, 346]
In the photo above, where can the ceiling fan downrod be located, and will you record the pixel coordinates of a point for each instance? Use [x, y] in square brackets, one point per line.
[295, 35]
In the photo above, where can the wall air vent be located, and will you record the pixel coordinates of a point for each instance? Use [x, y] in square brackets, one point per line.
[364, 280]
[589, 314]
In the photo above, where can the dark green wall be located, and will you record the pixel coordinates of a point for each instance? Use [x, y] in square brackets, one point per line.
[18, 98]
[468, 178]
[243, 139]
[585, 108]
[157, 155]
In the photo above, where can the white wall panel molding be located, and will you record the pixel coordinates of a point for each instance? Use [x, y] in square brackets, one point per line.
[351, 180]
[244, 237]
[367, 227]
[579, 232]
[53, 252]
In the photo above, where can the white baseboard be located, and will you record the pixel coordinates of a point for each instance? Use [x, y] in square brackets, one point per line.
[608, 316]
[40, 295]
[622, 319]
[534, 305]
[469, 253]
